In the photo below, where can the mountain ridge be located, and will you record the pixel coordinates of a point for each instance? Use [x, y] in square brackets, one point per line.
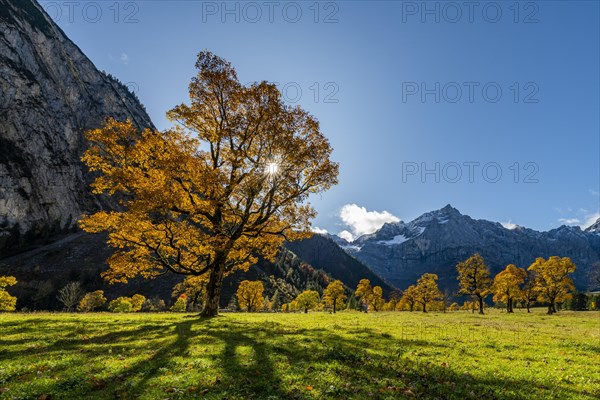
[435, 241]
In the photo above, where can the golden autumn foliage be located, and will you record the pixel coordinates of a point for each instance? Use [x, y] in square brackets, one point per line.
[250, 295]
[91, 301]
[207, 197]
[364, 291]
[529, 293]
[552, 281]
[408, 299]
[137, 300]
[7, 302]
[427, 290]
[377, 302]
[507, 285]
[474, 279]
[307, 300]
[194, 287]
[335, 295]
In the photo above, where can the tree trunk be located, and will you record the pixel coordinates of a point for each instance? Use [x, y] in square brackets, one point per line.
[481, 305]
[424, 307]
[551, 309]
[306, 310]
[213, 292]
[412, 306]
[509, 305]
[334, 306]
[528, 308]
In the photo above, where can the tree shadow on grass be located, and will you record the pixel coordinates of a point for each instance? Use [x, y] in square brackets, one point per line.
[271, 360]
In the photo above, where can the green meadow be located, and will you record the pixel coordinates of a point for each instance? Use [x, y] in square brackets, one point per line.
[348, 355]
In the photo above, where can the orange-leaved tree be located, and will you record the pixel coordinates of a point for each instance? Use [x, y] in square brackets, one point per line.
[552, 281]
[335, 295]
[364, 291]
[227, 185]
[507, 285]
[474, 279]
[427, 290]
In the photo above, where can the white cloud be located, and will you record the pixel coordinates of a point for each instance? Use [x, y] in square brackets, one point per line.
[509, 225]
[346, 236]
[318, 230]
[123, 58]
[569, 221]
[360, 221]
[590, 220]
[594, 192]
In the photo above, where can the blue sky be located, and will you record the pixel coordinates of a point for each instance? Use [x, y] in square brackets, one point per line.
[425, 104]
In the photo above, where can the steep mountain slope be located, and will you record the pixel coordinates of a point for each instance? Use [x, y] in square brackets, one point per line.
[50, 93]
[437, 241]
[324, 253]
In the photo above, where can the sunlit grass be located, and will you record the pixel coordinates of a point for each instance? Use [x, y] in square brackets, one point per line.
[302, 356]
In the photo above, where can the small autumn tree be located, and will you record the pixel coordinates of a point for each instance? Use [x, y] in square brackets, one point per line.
[120, 305]
[409, 298]
[376, 302]
[390, 305]
[91, 301]
[427, 290]
[529, 293]
[250, 295]
[307, 300]
[137, 300]
[70, 295]
[507, 286]
[335, 295]
[364, 291]
[180, 304]
[7, 302]
[553, 282]
[194, 287]
[227, 185]
[474, 279]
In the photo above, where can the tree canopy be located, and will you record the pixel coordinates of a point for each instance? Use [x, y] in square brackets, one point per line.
[227, 184]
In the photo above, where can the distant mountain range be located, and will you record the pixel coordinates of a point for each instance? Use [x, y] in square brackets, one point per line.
[436, 241]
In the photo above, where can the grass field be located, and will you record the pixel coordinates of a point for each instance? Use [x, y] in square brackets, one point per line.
[301, 356]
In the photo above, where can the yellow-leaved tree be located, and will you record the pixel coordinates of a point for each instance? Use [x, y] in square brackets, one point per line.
[250, 295]
[91, 301]
[307, 300]
[474, 279]
[7, 302]
[194, 287]
[334, 295]
[427, 290]
[408, 299]
[552, 281]
[507, 285]
[227, 185]
[377, 302]
[364, 291]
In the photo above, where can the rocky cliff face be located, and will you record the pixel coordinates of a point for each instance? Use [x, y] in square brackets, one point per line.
[436, 241]
[50, 93]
